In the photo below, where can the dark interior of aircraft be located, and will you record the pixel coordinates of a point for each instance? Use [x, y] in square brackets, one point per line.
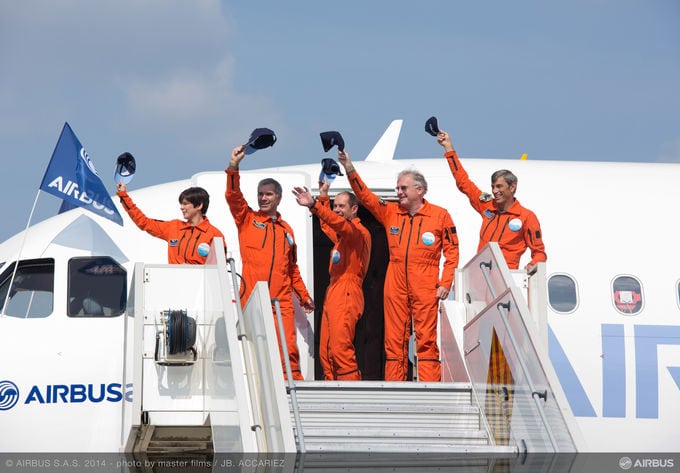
[368, 339]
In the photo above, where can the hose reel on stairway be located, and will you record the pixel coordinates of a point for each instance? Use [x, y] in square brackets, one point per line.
[176, 339]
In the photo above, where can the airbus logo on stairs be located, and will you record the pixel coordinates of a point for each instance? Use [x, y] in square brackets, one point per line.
[64, 394]
[9, 395]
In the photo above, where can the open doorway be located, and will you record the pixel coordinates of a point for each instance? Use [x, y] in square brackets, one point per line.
[368, 340]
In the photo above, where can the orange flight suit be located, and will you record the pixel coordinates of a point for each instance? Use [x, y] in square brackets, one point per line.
[344, 304]
[416, 244]
[186, 243]
[515, 230]
[268, 253]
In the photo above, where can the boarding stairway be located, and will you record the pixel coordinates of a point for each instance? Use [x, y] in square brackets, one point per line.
[378, 416]
[498, 393]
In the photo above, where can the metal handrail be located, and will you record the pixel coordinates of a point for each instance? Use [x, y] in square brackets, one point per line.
[504, 309]
[250, 372]
[289, 375]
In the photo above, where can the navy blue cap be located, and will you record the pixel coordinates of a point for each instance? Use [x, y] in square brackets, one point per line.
[260, 138]
[329, 169]
[431, 126]
[330, 139]
[125, 168]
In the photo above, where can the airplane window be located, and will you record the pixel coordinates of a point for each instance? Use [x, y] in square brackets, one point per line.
[562, 293]
[627, 293]
[97, 287]
[32, 290]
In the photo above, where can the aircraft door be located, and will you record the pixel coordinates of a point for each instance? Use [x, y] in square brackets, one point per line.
[368, 339]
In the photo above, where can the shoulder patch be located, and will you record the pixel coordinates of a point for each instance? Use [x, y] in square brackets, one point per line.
[381, 201]
[485, 197]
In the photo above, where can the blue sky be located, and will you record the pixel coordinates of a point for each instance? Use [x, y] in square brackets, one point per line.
[179, 83]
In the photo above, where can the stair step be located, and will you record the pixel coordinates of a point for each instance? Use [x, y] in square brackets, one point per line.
[382, 416]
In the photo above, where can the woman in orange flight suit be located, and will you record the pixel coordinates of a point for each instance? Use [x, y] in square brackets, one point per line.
[418, 232]
[188, 241]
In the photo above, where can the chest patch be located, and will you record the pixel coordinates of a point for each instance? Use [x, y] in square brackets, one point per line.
[259, 225]
[489, 214]
[173, 242]
[428, 238]
[203, 249]
[394, 230]
[515, 224]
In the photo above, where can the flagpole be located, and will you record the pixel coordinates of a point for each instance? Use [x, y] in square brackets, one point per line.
[21, 249]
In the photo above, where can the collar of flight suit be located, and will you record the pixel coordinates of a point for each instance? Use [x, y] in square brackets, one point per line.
[267, 217]
[515, 209]
[424, 210]
[203, 226]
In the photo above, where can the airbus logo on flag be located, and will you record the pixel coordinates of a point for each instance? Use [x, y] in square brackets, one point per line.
[71, 176]
[88, 161]
[71, 190]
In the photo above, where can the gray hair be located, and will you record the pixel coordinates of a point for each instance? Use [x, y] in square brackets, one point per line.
[509, 177]
[278, 190]
[417, 177]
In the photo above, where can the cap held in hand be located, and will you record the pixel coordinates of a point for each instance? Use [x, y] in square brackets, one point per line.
[330, 139]
[260, 138]
[329, 170]
[431, 126]
[125, 168]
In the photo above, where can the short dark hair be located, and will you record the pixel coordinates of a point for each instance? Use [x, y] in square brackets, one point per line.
[197, 196]
[278, 190]
[352, 199]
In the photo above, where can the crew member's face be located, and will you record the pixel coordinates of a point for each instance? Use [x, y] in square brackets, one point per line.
[267, 199]
[503, 194]
[407, 191]
[342, 207]
[189, 212]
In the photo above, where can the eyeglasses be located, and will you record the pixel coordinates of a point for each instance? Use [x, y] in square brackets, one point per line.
[403, 188]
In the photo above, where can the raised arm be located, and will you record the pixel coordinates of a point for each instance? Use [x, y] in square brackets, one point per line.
[149, 225]
[237, 203]
[475, 195]
[368, 199]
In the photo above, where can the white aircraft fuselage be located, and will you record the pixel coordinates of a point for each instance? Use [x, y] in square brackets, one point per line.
[614, 344]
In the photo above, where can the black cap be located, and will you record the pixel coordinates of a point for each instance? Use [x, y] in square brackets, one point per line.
[260, 138]
[125, 168]
[329, 166]
[431, 126]
[332, 138]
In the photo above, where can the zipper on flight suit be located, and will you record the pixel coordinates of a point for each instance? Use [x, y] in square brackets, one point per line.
[271, 266]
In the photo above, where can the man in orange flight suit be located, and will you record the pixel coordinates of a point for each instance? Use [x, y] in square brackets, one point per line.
[189, 241]
[268, 252]
[504, 220]
[418, 232]
[344, 304]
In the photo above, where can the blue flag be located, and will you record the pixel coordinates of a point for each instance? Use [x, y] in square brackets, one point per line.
[71, 176]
